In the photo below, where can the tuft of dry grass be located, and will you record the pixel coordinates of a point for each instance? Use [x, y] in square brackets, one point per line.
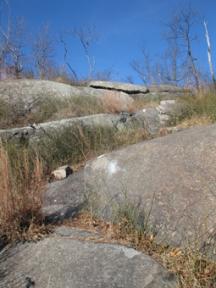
[113, 103]
[21, 181]
[195, 121]
[188, 264]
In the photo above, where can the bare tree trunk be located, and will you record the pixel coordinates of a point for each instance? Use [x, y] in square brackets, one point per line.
[209, 54]
[192, 63]
[66, 58]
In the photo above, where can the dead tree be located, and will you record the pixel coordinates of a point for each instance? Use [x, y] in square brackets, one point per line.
[209, 53]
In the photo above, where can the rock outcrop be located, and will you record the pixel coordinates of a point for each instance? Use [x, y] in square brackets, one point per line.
[118, 86]
[141, 92]
[26, 95]
[68, 259]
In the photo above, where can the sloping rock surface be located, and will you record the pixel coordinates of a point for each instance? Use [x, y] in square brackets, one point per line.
[171, 179]
[66, 259]
[118, 86]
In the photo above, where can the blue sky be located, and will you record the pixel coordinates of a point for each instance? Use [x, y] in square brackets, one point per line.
[124, 28]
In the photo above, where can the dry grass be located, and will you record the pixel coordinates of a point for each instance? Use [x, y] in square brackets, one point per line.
[113, 103]
[21, 180]
[198, 109]
[23, 169]
[194, 121]
[190, 267]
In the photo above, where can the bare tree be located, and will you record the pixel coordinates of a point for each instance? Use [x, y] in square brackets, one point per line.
[209, 53]
[173, 50]
[180, 33]
[143, 68]
[43, 52]
[87, 36]
[186, 21]
[5, 27]
[16, 43]
[67, 63]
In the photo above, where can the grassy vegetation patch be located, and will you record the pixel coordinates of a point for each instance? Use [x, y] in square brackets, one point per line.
[200, 108]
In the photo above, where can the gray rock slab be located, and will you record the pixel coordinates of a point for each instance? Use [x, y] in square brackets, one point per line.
[118, 86]
[61, 261]
[172, 180]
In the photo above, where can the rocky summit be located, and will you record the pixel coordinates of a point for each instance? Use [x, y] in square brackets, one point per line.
[107, 151]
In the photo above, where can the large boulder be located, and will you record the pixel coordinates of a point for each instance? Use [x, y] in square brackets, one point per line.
[62, 260]
[119, 86]
[171, 180]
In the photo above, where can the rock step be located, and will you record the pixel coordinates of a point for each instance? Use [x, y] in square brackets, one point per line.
[61, 260]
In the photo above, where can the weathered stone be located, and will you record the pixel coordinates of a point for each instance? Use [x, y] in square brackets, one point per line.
[117, 86]
[171, 179]
[64, 261]
[61, 173]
